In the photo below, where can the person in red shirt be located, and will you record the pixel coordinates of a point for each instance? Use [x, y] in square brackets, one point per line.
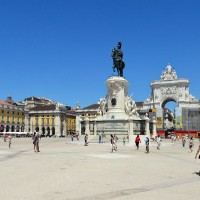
[137, 141]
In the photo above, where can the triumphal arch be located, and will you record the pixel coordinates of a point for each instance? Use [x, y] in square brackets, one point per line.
[171, 88]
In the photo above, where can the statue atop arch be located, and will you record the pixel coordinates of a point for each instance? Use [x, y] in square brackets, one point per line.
[118, 62]
[169, 73]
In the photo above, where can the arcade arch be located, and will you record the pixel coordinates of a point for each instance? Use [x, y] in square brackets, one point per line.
[53, 130]
[12, 128]
[48, 131]
[2, 128]
[43, 130]
[7, 128]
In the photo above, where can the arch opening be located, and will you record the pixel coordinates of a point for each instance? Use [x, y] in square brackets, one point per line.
[169, 103]
[168, 107]
[53, 130]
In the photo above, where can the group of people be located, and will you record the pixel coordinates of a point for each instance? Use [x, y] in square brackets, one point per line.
[35, 138]
[113, 141]
[191, 142]
[174, 138]
[114, 138]
[138, 141]
[74, 136]
[9, 137]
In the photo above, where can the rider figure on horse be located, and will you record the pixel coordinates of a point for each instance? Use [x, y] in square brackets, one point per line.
[117, 56]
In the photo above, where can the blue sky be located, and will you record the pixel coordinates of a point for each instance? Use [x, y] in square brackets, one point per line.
[62, 49]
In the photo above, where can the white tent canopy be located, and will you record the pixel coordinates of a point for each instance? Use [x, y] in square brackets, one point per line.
[15, 133]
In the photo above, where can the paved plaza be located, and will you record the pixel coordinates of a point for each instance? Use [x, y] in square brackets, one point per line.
[65, 170]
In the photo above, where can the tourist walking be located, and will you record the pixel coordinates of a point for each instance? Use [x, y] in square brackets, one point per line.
[113, 144]
[183, 141]
[124, 140]
[127, 138]
[4, 137]
[115, 139]
[34, 141]
[191, 144]
[37, 141]
[147, 144]
[86, 139]
[36, 137]
[172, 138]
[100, 137]
[77, 136]
[9, 141]
[137, 141]
[158, 140]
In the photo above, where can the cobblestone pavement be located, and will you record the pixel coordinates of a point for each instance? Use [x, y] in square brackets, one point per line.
[65, 170]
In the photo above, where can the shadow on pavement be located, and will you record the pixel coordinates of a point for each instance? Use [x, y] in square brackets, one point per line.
[197, 173]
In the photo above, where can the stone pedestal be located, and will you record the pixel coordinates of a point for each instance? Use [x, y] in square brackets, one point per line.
[117, 94]
[120, 114]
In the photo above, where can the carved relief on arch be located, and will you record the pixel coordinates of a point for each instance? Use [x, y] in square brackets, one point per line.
[168, 90]
[156, 94]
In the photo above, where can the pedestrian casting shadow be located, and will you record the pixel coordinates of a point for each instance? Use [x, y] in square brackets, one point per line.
[197, 173]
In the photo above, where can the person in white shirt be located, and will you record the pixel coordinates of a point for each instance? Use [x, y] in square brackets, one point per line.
[37, 135]
[9, 141]
[158, 142]
[36, 141]
[191, 144]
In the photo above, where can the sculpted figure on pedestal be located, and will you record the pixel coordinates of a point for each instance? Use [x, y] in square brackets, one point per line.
[130, 107]
[102, 105]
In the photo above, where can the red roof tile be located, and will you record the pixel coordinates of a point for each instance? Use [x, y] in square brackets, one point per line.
[4, 103]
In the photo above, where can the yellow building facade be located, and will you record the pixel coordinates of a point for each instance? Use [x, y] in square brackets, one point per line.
[52, 120]
[13, 118]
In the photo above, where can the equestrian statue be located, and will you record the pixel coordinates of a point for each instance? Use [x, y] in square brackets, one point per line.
[117, 56]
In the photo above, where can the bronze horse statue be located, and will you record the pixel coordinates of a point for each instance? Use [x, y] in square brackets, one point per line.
[117, 56]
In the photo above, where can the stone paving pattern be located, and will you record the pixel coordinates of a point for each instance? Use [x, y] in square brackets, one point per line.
[65, 170]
